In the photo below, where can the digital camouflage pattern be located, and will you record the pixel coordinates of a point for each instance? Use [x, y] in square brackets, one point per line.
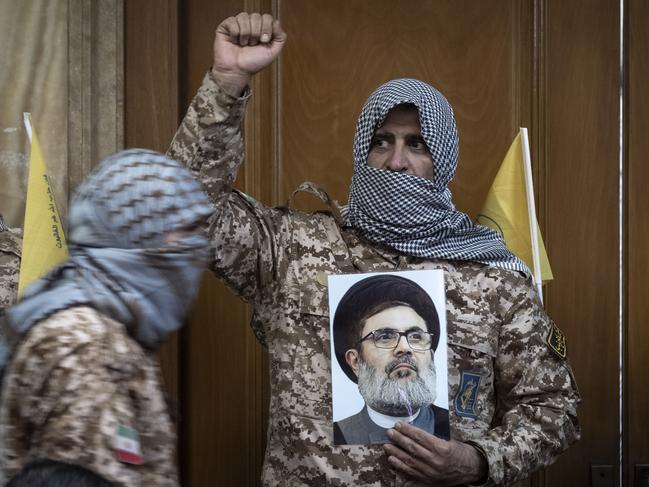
[10, 250]
[523, 412]
[71, 382]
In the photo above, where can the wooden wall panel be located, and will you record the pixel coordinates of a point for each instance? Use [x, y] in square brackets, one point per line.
[581, 179]
[637, 106]
[224, 373]
[151, 73]
[471, 51]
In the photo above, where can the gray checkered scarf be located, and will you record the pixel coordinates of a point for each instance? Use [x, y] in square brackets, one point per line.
[120, 262]
[410, 214]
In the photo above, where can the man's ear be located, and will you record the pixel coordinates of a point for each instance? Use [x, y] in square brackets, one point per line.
[351, 357]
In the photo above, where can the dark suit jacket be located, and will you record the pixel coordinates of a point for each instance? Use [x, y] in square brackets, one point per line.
[359, 429]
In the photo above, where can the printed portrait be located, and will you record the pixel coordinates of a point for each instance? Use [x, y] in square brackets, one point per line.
[388, 354]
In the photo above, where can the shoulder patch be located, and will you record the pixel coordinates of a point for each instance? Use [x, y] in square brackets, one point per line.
[556, 341]
[465, 400]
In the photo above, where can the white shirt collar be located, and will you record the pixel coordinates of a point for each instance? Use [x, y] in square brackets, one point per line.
[385, 421]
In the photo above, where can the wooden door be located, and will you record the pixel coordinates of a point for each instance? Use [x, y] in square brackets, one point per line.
[549, 65]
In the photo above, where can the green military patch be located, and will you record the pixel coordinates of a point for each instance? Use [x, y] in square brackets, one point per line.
[556, 340]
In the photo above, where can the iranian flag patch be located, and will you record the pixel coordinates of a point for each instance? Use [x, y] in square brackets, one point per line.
[127, 445]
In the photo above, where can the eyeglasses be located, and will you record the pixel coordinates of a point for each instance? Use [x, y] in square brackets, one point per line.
[388, 338]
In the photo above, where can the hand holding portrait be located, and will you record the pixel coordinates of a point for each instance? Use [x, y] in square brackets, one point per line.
[430, 459]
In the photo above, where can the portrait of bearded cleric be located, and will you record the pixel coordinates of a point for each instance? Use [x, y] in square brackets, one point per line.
[386, 331]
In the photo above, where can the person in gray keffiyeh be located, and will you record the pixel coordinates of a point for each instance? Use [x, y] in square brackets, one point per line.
[137, 249]
[88, 330]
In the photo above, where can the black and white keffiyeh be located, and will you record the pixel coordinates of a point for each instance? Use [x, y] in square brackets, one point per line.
[410, 214]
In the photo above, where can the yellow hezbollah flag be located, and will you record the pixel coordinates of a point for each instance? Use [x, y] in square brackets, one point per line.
[44, 243]
[509, 207]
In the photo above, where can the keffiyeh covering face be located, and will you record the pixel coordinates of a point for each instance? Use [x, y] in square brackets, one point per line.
[122, 260]
[413, 215]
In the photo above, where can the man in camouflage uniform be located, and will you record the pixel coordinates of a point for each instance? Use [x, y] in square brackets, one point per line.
[82, 384]
[10, 247]
[512, 396]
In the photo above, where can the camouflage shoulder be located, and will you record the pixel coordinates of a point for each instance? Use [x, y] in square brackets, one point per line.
[502, 287]
[509, 276]
[10, 243]
[481, 270]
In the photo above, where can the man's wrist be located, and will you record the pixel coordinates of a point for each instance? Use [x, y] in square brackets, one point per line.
[231, 83]
[480, 466]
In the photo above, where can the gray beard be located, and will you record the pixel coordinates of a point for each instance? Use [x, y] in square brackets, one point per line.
[397, 397]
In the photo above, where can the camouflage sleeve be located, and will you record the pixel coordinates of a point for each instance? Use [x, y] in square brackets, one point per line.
[537, 395]
[246, 237]
[9, 268]
[209, 140]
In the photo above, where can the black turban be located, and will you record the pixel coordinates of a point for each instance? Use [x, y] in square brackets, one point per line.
[364, 297]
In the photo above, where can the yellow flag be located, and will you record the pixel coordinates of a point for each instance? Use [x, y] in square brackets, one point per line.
[44, 243]
[506, 210]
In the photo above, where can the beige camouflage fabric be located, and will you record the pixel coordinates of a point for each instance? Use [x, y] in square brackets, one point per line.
[520, 407]
[10, 249]
[75, 377]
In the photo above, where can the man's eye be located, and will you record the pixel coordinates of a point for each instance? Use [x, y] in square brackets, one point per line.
[378, 143]
[418, 144]
[384, 335]
[416, 336]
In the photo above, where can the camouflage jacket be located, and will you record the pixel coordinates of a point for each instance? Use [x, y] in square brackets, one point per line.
[10, 249]
[522, 413]
[77, 387]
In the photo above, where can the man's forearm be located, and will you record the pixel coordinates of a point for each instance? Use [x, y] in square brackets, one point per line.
[210, 143]
[478, 467]
[209, 140]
